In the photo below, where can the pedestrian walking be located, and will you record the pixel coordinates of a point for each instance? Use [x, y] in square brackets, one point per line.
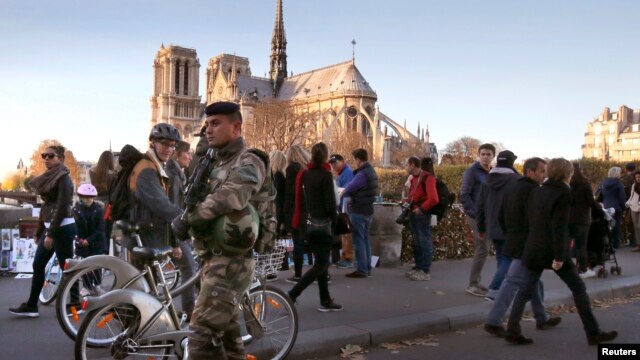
[547, 247]
[314, 184]
[581, 207]
[472, 181]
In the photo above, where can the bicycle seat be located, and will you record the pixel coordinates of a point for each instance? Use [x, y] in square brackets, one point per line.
[150, 253]
[129, 228]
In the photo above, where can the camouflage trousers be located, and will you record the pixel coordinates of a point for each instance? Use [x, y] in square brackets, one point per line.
[214, 331]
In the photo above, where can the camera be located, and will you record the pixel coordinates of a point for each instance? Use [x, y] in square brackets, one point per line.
[403, 218]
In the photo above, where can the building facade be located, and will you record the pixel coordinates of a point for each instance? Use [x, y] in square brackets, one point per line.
[613, 135]
[339, 96]
[176, 99]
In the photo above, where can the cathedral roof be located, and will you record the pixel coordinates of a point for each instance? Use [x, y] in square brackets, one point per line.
[339, 78]
[248, 85]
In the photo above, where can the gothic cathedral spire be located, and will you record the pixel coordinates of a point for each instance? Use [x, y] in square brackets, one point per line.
[278, 68]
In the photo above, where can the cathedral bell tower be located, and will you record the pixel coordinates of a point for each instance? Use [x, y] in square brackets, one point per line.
[175, 98]
[278, 67]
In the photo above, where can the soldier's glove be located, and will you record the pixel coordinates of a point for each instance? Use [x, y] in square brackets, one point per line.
[180, 228]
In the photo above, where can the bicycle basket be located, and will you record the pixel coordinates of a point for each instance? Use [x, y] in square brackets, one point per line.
[270, 262]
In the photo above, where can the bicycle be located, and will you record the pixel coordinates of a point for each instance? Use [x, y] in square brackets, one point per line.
[137, 324]
[99, 274]
[52, 278]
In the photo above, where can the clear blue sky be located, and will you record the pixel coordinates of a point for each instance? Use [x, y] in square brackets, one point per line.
[529, 74]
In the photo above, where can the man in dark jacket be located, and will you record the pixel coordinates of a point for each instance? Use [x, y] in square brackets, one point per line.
[547, 247]
[472, 181]
[489, 207]
[513, 220]
[362, 190]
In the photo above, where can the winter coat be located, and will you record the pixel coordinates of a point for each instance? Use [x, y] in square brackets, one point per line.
[513, 216]
[57, 206]
[362, 190]
[290, 195]
[490, 201]
[549, 212]
[472, 181]
[319, 194]
[583, 204]
[613, 194]
[634, 200]
[90, 224]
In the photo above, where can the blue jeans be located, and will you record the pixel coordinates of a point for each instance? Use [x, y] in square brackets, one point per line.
[514, 281]
[569, 275]
[503, 265]
[63, 249]
[360, 225]
[422, 242]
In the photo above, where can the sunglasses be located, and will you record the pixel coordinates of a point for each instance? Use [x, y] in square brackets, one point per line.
[48, 155]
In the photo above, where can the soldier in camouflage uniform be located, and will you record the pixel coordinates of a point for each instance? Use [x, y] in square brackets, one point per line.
[224, 226]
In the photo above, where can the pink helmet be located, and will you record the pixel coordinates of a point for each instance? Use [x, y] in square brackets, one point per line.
[87, 190]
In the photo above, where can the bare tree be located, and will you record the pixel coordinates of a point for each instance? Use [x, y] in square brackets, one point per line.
[344, 143]
[37, 164]
[279, 124]
[461, 151]
[399, 157]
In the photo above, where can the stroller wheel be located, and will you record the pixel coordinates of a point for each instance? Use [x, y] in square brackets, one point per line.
[612, 270]
[619, 270]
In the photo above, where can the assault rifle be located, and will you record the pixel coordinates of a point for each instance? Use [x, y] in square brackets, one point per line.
[197, 183]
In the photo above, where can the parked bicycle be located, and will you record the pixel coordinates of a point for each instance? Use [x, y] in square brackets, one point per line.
[135, 324]
[99, 274]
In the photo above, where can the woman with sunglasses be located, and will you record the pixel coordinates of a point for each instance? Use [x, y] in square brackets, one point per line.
[56, 226]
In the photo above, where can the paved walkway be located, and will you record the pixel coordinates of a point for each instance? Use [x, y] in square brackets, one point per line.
[385, 307]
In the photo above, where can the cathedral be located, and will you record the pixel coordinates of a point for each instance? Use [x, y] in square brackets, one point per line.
[342, 99]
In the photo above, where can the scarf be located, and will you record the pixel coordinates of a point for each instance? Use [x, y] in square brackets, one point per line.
[47, 181]
[297, 213]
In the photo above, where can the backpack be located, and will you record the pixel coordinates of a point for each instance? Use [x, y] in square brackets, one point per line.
[445, 199]
[265, 205]
[120, 202]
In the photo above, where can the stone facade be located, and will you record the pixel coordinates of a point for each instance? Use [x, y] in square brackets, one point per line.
[176, 98]
[613, 135]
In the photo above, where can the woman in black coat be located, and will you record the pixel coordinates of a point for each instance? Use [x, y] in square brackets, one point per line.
[278, 163]
[315, 184]
[580, 218]
[547, 247]
[56, 226]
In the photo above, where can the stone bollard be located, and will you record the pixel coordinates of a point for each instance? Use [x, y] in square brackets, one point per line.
[385, 234]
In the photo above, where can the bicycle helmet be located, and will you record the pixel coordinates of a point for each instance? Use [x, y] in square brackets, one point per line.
[164, 131]
[87, 190]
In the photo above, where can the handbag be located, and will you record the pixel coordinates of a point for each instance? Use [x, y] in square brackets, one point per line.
[343, 224]
[317, 226]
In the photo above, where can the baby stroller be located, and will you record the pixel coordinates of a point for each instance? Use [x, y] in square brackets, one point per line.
[599, 243]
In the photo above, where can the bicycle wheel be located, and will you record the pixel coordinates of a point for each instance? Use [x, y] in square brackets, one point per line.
[280, 320]
[93, 281]
[114, 325]
[171, 273]
[52, 276]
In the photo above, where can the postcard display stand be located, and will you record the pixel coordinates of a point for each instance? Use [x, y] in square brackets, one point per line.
[17, 253]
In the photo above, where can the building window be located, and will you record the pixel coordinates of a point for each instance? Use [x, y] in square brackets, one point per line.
[612, 129]
[176, 81]
[635, 141]
[598, 129]
[634, 128]
[186, 78]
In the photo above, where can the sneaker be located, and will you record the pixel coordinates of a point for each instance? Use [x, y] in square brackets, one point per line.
[345, 264]
[356, 274]
[330, 306]
[551, 322]
[272, 277]
[477, 290]
[420, 275]
[410, 272]
[293, 279]
[602, 337]
[25, 311]
[588, 274]
[491, 295]
[496, 330]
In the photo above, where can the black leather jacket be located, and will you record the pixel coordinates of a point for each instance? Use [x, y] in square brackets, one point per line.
[57, 205]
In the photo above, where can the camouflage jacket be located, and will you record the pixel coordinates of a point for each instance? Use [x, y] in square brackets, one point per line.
[235, 177]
